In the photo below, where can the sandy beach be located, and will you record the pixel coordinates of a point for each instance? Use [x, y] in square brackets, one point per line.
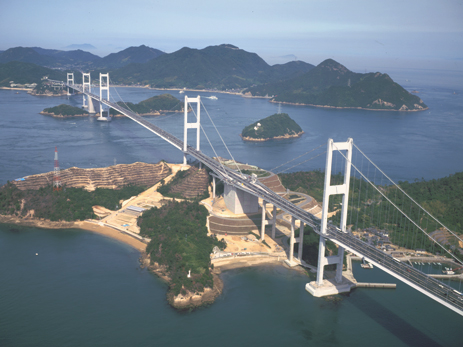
[84, 225]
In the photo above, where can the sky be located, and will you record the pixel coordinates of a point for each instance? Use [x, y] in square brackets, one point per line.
[362, 35]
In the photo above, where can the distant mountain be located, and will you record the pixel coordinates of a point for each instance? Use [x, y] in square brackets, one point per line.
[141, 54]
[331, 84]
[222, 67]
[81, 46]
[26, 55]
[78, 58]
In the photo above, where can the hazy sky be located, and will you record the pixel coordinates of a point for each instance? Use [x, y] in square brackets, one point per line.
[359, 34]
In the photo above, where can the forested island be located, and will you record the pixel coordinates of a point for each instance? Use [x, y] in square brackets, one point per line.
[153, 105]
[277, 126]
[65, 111]
[331, 84]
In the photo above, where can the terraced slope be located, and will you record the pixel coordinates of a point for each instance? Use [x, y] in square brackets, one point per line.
[112, 177]
[187, 184]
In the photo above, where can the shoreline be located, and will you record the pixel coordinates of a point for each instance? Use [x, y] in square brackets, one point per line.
[179, 302]
[83, 225]
[283, 137]
[345, 108]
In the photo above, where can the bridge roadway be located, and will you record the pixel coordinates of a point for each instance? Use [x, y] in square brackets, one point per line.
[429, 286]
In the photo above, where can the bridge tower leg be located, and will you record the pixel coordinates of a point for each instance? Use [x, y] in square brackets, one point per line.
[193, 125]
[70, 80]
[87, 87]
[323, 287]
[104, 88]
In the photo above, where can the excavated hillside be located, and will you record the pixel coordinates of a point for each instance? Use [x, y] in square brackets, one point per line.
[194, 183]
[111, 177]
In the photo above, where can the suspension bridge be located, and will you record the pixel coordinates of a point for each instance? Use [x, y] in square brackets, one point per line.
[386, 207]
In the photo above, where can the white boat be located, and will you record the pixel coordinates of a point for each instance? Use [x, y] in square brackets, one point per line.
[212, 97]
[181, 92]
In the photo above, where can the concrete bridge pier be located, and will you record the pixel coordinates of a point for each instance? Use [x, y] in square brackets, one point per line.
[239, 201]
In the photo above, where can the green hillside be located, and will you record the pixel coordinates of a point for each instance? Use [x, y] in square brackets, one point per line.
[179, 241]
[222, 67]
[274, 126]
[440, 197]
[65, 110]
[21, 73]
[332, 84]
[164, 102]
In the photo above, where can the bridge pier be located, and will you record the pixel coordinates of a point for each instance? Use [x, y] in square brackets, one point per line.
[323, 287]
[262, 226]
[238, 201]
[274, 221]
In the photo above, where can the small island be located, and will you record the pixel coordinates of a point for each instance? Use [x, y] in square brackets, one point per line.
[275, 127]
[64, 111]
[153, 106]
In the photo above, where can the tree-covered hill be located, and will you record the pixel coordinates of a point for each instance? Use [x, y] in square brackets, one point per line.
[441, 197]
[278, 125]
[164, 102]
[68, 204]
[222, 67]
[21, 73]
[179, 241]
[332, 84]
[64, 110]
[55, 58]
[141, 54]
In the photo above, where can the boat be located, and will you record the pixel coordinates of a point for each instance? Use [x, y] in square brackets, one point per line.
[181, 92]
[439, 264]
[212, 97]
[367, 265]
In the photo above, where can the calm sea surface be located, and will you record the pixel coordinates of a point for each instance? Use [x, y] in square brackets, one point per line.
[86, 289]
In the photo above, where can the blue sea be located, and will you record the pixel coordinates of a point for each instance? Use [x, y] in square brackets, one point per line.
[86, 289]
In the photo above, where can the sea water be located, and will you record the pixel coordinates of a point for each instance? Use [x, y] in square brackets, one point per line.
[87, 289]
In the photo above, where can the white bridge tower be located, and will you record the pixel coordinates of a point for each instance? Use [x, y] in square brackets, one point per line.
[70, 80]
[193, 125]
[87, 87]
[323, 287]
[104, 87]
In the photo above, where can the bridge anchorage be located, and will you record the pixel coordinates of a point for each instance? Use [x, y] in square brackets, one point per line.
[243, 193]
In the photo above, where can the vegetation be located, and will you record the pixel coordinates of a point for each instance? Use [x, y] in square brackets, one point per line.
[179, 242]
[65, 110]
[78, 58]
[22, 73]
[164, 102]
[440, 197]
[68, 204]
[276, 125]
[221, 67]
[332, 84]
